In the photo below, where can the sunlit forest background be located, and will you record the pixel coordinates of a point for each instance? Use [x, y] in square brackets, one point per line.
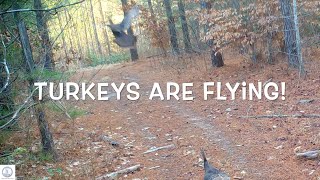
[51, 40]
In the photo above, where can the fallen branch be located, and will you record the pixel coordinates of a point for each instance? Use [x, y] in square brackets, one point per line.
[155, 167]
[153, 149]
[109, 140]
[309, 154]
[283, 116]
[123, 171]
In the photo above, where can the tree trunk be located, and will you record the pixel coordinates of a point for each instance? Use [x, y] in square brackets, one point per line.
[69, 35]
[195, 31]
[95, 28]
[44, 34]
[154, 22]
[104, 29]
[64, 44]
[172, 27]
[289, 32]
[185, 30]
[86, 36]
[46, 136]
[25, 43]
[75, 28]
[298, 40]
[269, 48]
[89, 27]
[207, 5]
[133, 52]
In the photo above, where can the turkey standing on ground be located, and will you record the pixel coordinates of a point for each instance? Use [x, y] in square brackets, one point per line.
[212, 173]
[123, 39]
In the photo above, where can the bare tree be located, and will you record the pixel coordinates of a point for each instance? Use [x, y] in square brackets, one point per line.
[156, 25]
[46, 136]
[95, 28]
[106, 37]
[86, 34]
[185, 29]
[289, 32]
[75, 31]
[207, 5]
[64, 44]
[44, 34]
[172, 27]
[67, 31]
[89, 27]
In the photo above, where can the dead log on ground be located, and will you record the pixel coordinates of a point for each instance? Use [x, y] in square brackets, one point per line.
[309, 154]
[153, 149]
[114, 175]
[110, 141]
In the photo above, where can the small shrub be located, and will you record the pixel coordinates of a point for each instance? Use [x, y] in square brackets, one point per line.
[96, 59]
[75, 112]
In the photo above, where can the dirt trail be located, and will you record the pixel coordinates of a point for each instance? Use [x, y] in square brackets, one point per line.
[248, 148]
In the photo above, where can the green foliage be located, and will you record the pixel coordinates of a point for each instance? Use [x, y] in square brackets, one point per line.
[96, 59]
[117, 58]
[4, 135]
[21, 155]
[44, 157]
[54, 171]
[19, 151]
[47, 75]
[55, 107]
[75, 112]
[4, 110]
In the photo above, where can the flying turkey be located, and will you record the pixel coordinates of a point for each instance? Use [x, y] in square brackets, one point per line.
[122, 39]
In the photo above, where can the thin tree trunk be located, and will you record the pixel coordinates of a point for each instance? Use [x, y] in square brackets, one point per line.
[25, 43]
[104, 29]
[75, 28]
[89, 27]
[44, 34]
[172, 27]
[269, 48]
[64, 44]
[46, 136]
[69, 35]
[95, 28]
[289, 32]
[133, 52]
[207, 5]
[195, 30]
[79, 44]
[298, 41]
[185, 30]
[86, 36]
[154, 22]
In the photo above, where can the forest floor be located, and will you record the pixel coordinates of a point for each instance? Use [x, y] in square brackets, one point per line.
[245, 148]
